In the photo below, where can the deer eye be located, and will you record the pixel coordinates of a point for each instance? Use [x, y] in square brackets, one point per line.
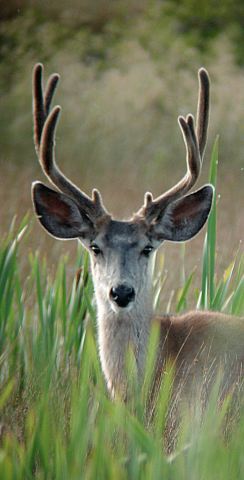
[96, 250]
[147, 250]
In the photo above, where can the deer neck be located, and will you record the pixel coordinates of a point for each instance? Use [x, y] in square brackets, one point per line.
[118, 331]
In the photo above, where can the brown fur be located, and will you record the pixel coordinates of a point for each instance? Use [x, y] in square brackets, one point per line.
[198, 344]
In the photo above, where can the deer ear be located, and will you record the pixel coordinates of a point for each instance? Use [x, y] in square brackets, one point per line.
[58, 214]
[185, 217]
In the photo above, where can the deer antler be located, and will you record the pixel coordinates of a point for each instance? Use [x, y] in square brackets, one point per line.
[195, 140]
[44, 135]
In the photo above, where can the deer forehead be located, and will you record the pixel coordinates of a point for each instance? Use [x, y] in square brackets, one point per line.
[114, 233]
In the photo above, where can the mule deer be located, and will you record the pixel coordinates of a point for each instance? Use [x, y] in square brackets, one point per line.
[121, 254]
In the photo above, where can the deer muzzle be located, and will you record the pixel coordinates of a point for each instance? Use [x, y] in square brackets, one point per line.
[122, 295]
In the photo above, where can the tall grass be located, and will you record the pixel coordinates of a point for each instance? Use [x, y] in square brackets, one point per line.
[57, 420]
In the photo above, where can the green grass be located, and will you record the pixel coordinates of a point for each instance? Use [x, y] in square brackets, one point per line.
[57, 420]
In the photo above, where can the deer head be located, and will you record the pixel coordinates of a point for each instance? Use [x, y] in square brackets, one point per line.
[119, 250]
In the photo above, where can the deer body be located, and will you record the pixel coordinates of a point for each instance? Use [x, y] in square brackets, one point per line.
[200, 343]
[122, 252]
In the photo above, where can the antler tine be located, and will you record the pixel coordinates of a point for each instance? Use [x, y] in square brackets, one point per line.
[203, 110]
[45, 127]
[41, 106]
[195, 141]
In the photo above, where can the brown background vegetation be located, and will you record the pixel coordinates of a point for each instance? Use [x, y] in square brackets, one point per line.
[127, 72]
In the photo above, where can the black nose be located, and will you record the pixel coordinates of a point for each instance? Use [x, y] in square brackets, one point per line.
[122, 295]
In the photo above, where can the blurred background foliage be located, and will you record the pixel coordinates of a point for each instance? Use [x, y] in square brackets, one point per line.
[128, 68]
